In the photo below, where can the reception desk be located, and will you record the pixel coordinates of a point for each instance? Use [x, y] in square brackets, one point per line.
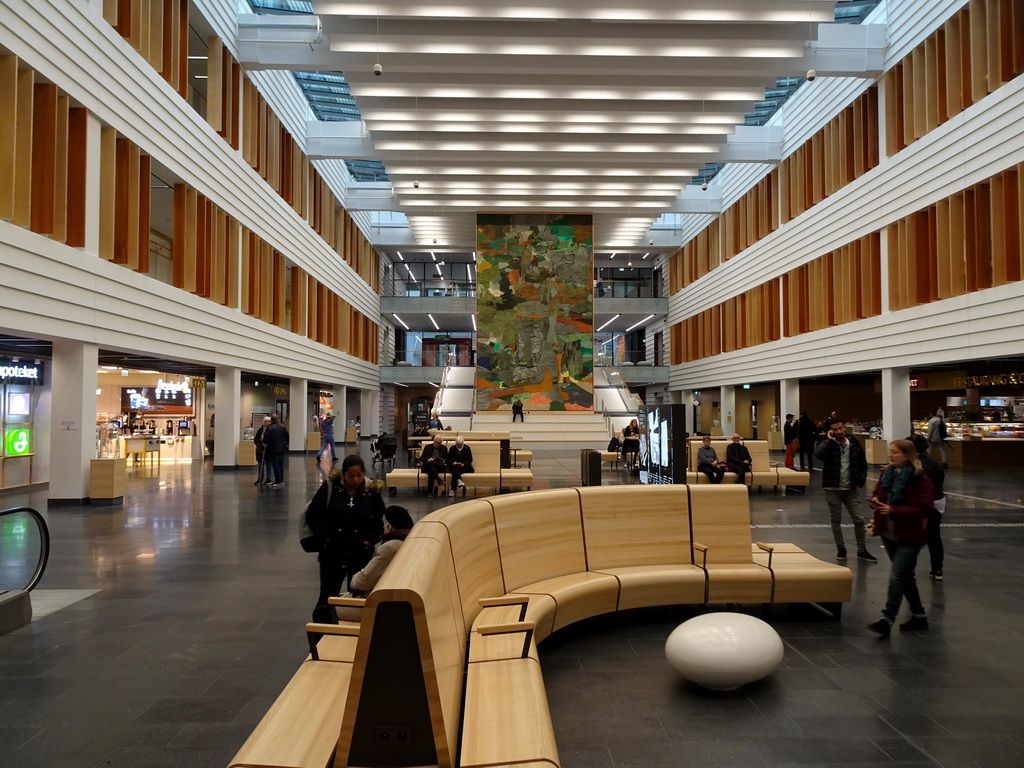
[157, 448]
[979, 452]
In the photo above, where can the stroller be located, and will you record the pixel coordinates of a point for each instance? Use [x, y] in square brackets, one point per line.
[384, 449]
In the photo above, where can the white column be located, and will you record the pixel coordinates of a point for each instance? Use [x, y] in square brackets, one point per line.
[227, 429]
[728, 410]
[369, 406]
[896, 403]
[72, 420]
[685, 398]
[301, 419]
[789, 398]
[93, 127]
[341, 410]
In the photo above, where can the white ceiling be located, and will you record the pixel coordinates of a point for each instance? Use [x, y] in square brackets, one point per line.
[569, 105]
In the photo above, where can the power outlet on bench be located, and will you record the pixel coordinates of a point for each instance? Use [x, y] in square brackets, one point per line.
[393, 736]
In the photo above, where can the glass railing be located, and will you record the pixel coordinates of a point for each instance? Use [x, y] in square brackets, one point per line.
[24, 548]
[626, 289]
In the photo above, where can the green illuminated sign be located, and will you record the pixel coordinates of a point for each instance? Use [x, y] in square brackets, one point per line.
[16, 441]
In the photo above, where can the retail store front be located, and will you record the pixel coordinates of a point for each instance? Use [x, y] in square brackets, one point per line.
[983, 404]
[21, 383]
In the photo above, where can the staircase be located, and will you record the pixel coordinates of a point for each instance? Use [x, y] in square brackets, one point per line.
[548, 429]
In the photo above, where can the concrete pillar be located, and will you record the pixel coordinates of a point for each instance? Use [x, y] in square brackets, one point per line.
[341, 409]
[227, 429]
[685, 398]
[728, 409]
[896, 423]
[789, 399]
[301, 420]
[72, 421]
[369, 406]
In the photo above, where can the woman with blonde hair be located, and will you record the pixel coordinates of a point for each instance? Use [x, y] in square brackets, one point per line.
[902, 501]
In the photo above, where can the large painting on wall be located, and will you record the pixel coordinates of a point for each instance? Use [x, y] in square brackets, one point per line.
[535, 311]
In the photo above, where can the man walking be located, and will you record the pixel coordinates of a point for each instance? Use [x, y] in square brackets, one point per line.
[276, 439]
[844, 472]
[937, 437]
[326, 425]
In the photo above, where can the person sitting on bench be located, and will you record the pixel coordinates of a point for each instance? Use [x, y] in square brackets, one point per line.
[708, 463]
[737, 458]
[460, 462]
[433, 461]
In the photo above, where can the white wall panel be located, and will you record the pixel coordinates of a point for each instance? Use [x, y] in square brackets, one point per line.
[50, 291]
[77, 49]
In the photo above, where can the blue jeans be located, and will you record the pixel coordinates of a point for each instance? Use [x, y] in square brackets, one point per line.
[902, 582]
[277, 465]
[327, 441]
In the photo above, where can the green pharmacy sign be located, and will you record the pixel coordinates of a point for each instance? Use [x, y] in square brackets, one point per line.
[16, 441]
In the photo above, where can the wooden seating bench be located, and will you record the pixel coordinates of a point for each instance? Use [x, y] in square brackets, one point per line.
[450, 633]
[762, 471]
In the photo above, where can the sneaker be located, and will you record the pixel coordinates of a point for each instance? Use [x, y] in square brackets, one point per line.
[883, 626]
[914, 623]
[865, 555]
[841, 553]
[451, 492]
[277, 485]
[461, 484]
[936, 575]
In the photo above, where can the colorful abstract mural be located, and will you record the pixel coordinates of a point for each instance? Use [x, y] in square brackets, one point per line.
[535, 311]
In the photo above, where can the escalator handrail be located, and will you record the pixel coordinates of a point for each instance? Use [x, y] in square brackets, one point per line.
[44, 542]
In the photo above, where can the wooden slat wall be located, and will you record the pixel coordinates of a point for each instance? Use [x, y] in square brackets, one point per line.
[975, 52]
[843, 150]
[223, 89]
[967, 242]
[124, 202]
[158, 30]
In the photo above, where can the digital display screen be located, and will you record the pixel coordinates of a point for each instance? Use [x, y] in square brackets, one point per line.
[172, 397]
[662, 445]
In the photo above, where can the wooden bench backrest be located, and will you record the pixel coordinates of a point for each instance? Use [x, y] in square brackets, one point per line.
[720, 520]
[619, 531]
[759, 453]
[486, 455]
[474, 545]
[694, 446]
[540, 536]
[416, 639]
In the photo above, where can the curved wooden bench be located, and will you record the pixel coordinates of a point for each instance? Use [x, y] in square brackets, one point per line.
[505, 572]
[762, 472]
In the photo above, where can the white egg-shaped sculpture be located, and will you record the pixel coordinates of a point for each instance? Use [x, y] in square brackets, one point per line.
[723, 651]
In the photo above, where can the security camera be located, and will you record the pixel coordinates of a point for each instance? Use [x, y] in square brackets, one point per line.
[435, 241]
[704, 186]
[811, 75]
[415, 185]
[651, 241]
[378, 70]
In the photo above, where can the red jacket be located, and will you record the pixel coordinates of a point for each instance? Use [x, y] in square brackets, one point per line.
[910, 519]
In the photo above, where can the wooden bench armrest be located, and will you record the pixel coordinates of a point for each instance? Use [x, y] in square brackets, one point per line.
[352, 602]
[315, 631]
[505, 629]
[766, 548]
[498, 602]
[704, 551]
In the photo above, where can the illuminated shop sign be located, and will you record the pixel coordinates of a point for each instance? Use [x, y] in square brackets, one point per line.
[994, 380]
[17, 441]
[166, 395]
[20, 373]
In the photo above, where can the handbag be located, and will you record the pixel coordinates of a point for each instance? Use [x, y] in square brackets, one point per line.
[308, 540]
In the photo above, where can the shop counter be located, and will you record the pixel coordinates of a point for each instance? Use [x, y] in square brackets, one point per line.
[141, 447]
[978, 452]
[175, 448]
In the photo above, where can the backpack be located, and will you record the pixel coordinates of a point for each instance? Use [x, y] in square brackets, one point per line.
[307, 539]
[614, 444]
[943, 432]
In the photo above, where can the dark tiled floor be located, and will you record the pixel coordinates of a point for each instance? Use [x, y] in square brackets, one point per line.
[204, 590]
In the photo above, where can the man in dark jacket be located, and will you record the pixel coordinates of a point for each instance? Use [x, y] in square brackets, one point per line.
[807, 435]
[844, 472]
[433, 461]
[275, 438]
[737, 458]
[790, 439]
[933, 469]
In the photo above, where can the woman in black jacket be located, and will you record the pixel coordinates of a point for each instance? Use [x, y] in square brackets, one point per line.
[348, 521]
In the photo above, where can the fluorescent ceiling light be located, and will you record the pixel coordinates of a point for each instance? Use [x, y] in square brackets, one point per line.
[400, 256]
[606, 324]
[401, 321]
[640, 323]
[437, 327]
[473, 318]
[400, 384]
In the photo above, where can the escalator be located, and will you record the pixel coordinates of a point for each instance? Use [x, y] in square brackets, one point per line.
[24, 552]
